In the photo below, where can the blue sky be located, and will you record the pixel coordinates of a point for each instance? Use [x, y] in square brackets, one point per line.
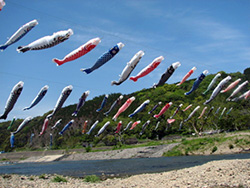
[212, 35]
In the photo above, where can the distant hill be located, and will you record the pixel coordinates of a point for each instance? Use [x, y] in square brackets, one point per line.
[238, 119]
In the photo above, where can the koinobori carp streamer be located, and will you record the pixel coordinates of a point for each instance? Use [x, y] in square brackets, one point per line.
[47, 41]
[79, 52]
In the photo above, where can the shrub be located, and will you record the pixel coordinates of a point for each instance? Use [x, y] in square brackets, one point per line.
[59, 179]
[110, 140]
[131, 141]
[42, 176]
[231, 146]
[187, 150]
[214, 149]
[92, 179]
[88, 149]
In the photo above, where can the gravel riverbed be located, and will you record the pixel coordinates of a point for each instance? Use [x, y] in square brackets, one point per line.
[219, 174]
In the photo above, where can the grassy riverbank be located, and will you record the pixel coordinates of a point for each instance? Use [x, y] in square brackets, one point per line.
[223, 143]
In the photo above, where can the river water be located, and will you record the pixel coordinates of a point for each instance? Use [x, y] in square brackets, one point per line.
[114, 167]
